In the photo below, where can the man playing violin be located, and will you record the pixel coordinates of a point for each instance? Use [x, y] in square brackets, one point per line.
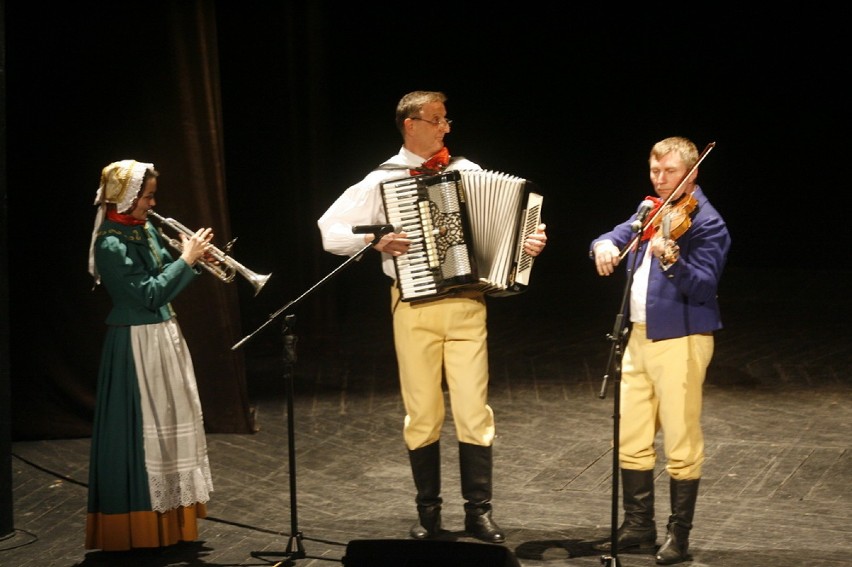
[677, 263]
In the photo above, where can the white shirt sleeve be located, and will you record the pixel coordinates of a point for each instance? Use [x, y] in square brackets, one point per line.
[359, 204]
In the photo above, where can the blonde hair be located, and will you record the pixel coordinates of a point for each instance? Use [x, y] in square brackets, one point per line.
[683, 146]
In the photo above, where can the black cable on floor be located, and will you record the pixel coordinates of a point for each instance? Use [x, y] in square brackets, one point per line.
[50, 472]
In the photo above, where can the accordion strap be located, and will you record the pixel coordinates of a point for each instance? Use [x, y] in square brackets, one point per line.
[392, 166]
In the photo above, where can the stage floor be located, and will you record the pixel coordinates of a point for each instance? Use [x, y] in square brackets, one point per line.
[777, 419]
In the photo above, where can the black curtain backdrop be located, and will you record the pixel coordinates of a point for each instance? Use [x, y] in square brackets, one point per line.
[6, 511]
[259, 114]
[105, 82]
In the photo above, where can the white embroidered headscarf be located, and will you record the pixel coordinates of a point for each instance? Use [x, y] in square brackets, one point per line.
[121, 182]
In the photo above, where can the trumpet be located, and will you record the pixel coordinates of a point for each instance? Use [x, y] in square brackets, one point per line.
[223, 266]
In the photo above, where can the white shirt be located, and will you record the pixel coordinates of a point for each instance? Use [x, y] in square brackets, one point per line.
[639, 289]
[362, 204]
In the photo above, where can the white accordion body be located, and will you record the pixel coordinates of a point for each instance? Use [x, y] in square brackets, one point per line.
[467, 229]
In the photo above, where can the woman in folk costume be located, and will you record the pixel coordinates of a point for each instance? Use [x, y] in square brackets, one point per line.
[149, 475]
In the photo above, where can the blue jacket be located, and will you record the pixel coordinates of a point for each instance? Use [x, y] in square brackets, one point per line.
[682, 300]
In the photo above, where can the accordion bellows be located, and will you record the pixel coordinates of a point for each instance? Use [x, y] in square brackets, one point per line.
[467, 229]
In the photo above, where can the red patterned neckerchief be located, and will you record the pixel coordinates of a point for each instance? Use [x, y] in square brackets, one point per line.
[127, 220]
[434, 164]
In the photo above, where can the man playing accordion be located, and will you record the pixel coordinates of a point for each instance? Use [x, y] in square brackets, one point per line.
[443, 338]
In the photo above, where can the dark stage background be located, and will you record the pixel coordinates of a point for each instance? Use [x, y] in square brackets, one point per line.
[301, 103]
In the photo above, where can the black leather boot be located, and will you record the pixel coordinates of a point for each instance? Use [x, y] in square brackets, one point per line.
[426, 469]
[475, 463]
[684, 494]
[638, 532]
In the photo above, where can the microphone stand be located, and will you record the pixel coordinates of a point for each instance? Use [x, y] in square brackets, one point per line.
[618, 337]
[295, 548]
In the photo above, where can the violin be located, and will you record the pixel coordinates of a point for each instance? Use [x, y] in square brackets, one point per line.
[672, 222]
[675, 219]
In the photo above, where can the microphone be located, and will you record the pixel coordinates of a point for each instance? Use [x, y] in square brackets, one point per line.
[376, 228]
[641, 214]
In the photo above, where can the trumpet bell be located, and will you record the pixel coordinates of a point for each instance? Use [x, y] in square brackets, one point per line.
[256, 280]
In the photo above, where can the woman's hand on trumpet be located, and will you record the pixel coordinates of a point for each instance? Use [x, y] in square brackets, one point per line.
[196, 246]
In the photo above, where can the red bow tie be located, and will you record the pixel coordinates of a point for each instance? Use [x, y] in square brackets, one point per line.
[434, 164]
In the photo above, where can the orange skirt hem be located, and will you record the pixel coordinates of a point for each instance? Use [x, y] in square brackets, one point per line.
[123, 532]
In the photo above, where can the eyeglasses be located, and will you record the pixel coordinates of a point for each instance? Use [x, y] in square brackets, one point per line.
[439, 122]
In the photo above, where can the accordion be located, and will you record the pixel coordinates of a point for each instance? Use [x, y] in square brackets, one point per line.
[467, 229]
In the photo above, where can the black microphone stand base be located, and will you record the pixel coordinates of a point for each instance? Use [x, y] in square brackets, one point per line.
[295, 550]
[610, 561]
